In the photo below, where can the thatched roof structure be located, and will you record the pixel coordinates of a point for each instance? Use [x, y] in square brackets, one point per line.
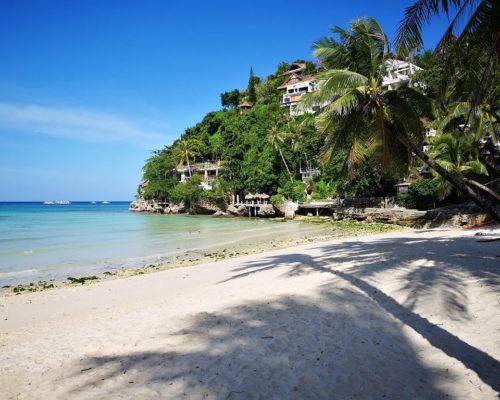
[257, 196]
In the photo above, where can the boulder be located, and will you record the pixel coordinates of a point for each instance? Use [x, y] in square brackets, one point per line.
[177, 208]
[266, 210]
[219, 214]
[399, 216]
[237, 211]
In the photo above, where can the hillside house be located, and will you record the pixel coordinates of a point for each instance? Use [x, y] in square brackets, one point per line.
[398, 73]
[208, 170]
[295, 86]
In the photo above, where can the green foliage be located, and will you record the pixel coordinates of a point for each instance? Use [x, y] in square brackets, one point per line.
[293, 190]
[429, 80]
[158, 172]
[230, 99]
[322, 190]
[277, 199]
[188, 192]
[421, 195]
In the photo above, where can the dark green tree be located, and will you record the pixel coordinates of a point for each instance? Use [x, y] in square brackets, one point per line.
[252, 95]
[230, 99]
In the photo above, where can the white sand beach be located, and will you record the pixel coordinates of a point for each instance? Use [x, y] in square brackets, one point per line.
[401, 315]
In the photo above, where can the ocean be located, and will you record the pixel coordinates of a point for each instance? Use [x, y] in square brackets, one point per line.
[42, 242]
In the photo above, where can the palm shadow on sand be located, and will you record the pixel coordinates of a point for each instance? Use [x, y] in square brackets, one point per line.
[291, 347]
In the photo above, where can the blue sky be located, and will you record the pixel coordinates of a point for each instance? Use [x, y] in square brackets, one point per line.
[89, 88]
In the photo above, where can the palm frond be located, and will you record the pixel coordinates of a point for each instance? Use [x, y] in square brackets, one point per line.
[477, 167]
[419, 13]
[333, 84]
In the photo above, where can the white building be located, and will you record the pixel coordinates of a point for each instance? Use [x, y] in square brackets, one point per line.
[398, 73]
[295, 87]
[208, 170]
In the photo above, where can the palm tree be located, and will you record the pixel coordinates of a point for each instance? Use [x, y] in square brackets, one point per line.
[184, 150]
[470, 46]
[458, 153]
[480, 29]
[276, 139]
[457, 147]
[366, 117]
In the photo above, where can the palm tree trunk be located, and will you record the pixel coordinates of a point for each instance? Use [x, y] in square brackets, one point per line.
[451, 177]
[484, 188]
[286, 165]
[189, 168]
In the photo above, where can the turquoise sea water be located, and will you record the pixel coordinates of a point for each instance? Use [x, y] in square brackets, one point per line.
[41, 242]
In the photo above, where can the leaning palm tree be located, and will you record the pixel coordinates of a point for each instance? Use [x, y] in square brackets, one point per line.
[358, 112]
[184, 150]
[276, 139]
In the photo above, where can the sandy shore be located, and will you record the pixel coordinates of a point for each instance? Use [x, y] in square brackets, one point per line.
[402, 315]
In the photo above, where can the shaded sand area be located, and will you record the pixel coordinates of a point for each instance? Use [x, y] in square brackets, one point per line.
[402, 315]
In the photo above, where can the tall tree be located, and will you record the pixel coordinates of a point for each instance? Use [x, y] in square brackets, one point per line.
[252, 95]
[364, 115]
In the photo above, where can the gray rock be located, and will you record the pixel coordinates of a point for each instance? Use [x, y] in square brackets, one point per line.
[237, 211]
[266, 210]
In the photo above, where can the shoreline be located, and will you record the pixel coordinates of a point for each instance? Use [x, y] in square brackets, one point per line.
[395, 315]
[339, 229]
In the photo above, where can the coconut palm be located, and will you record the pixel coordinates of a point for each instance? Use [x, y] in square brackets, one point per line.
[457, 147]
[470, 46]
[363, 115]
[276, 138]
[473, 22]
[459, 153]
[184, 150]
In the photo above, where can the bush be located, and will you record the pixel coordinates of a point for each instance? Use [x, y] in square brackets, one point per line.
[188, 192]
[293, 190]
[277, 199]
[321, 191]
[421, 195]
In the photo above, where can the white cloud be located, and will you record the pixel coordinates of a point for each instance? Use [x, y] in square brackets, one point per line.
[77, 124]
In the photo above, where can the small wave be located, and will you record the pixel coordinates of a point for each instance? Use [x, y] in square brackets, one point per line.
[11, 274]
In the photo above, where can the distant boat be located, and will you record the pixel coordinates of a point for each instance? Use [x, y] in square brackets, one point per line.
[93, 202]
[57, 203]
[105, 202]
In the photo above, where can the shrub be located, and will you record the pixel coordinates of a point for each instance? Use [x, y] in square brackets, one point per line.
[293, 190]
[421, 195]
[277, 199]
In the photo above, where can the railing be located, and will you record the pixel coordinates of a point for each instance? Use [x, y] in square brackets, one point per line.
[206, 165]
[290, 98]
[309, 173]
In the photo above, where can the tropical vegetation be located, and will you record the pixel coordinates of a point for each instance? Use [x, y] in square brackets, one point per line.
[365, 138]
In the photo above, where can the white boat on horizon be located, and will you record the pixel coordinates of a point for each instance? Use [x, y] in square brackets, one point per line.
[57, 203]
[105, 202]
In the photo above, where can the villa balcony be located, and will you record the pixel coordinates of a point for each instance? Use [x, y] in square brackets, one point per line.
[291, 98]
[207, 166]
[309, 173]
